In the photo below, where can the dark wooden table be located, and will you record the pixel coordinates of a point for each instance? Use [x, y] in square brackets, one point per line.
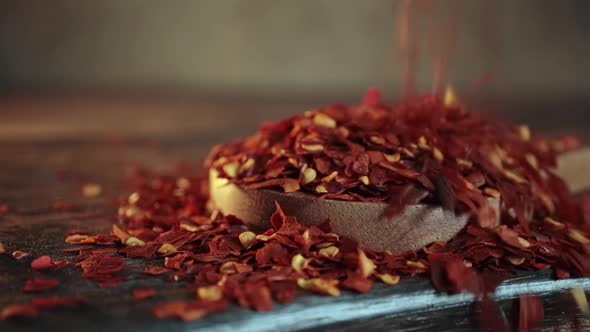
[80, 140]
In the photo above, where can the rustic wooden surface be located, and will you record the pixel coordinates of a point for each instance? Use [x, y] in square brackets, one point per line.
[29, 184]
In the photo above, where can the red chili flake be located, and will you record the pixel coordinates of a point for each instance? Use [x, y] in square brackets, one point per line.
[102, 268]
[17, 254]
[188, 310]
[56, 302]
[511, 237]
[18, 310]
[45, 262]
[255, 296]
[79, 239]
[105, 239]
[39, 285]
[379, 152]
[372, 98]
[4, 208]
[120, 234]
[283, 291]
[155, 270]
[530, 312]
[143, 293]
[42, 263]
[105, 251]
[421, 151]
[491, 315]
[76, 249]
[357, 282]
[108, 265]
[60, 263]
[405, 196]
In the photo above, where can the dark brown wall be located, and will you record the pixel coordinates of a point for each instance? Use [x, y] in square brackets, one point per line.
[536, 47]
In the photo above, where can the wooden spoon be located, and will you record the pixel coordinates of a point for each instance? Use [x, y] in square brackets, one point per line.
[416, 227]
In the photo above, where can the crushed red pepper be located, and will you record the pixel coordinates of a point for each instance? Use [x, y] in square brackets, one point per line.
[18, 310]
[227, 261]
[143, 293]
[419, 151]
[45, 262]
[39, 303]
[18, 254]
[369, 153]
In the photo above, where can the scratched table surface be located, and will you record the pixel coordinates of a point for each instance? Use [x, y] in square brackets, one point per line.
[50, 146]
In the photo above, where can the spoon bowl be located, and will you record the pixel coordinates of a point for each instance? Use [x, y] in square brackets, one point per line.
[417, 226]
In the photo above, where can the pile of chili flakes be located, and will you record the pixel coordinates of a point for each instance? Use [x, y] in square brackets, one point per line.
[449, 151]
[424, 150]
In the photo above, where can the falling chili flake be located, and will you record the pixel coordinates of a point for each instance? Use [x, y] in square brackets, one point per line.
[530, 312]
[155, 270]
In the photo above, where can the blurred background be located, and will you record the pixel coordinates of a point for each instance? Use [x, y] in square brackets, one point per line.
[217, 68]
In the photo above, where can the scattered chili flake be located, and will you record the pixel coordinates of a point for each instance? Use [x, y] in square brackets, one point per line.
[530, 312]
[76, 249]
[18, 310]
[110, 282]
[188, 310]
[39, 285]
[492, 316]
[42, 263]
[45, 262]
[143, 293]
[155, 270]
[4, 208]
[80, 239]
[423, 151]
[17, 254]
